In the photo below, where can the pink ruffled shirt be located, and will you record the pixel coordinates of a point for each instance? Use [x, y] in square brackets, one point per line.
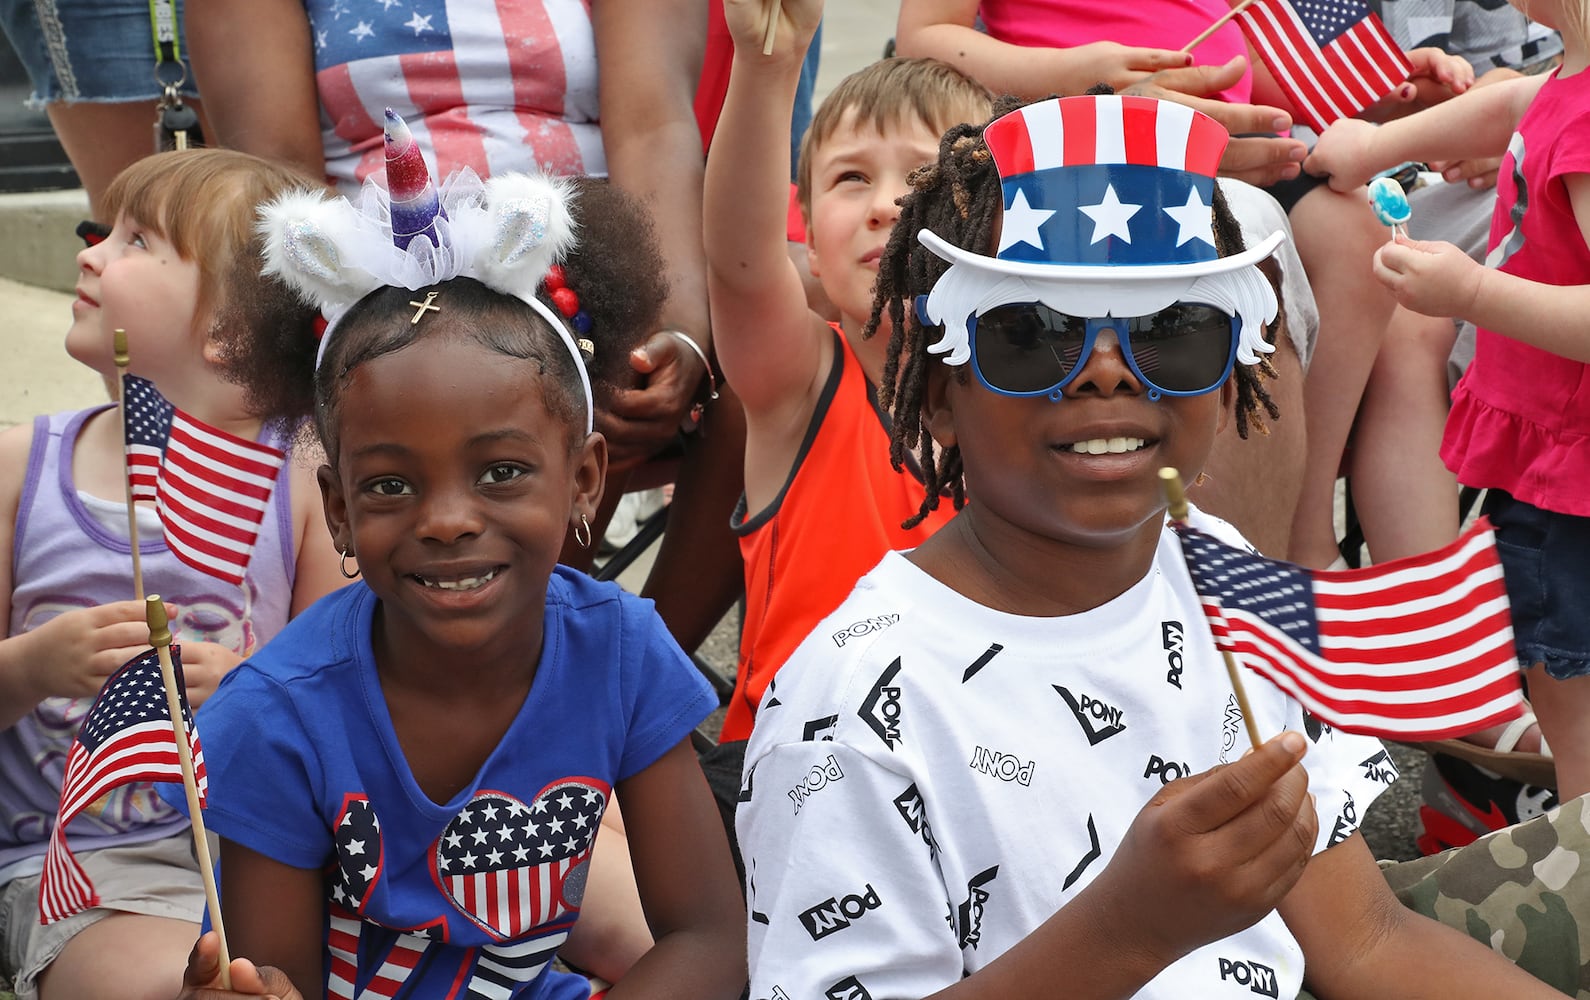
[1161, 24]
[1520, 417]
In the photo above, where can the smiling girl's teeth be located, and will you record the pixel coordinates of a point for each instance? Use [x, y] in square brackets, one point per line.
[1112, 446]
[467, 583]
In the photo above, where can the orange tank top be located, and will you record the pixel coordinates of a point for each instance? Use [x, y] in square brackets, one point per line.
[838, 513]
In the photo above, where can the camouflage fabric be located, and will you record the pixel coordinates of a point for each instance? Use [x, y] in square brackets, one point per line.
[1519, 890]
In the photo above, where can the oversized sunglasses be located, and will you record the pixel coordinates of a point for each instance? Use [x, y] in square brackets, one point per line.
[1029, 349]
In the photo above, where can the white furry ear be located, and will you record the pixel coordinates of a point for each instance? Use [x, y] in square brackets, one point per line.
[303, 231]
[532, 229]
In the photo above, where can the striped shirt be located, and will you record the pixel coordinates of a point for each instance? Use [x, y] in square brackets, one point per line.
[498, 86]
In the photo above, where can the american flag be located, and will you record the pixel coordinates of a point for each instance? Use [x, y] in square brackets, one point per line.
[1413, 649]
[514, 868]
[126, 737]
[492, 87]
[211, 488]
[1333, 58]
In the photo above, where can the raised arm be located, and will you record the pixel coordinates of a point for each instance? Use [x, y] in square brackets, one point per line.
[254, 62]
[944, 29]
[766, 339]
[1477, 123]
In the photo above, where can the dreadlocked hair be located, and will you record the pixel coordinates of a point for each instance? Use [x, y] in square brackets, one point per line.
[960, 198]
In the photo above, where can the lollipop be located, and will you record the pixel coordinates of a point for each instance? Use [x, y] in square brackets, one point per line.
[1390, 205]
[414, 202]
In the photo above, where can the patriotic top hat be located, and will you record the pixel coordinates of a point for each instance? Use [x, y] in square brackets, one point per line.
[1106, 212]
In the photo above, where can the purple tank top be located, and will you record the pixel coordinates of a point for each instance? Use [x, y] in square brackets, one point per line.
[63, 559]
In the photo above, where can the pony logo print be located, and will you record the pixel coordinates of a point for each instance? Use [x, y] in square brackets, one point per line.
[513, 868]
[881, 709]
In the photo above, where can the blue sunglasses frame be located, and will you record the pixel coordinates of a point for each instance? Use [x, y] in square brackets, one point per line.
[1120, 325]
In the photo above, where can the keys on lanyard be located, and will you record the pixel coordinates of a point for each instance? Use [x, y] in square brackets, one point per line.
[176, 124]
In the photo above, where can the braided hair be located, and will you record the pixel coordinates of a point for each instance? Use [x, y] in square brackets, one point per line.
[960, 198]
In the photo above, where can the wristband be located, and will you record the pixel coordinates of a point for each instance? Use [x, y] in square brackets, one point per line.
[690, 342]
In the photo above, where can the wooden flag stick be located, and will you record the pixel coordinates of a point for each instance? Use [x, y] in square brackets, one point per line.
[160, 638]
[773, 8]
[122, 360]
[1220, 22]
[1171, 479]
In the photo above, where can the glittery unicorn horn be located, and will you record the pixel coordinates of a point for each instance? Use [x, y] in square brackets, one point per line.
[415, 205]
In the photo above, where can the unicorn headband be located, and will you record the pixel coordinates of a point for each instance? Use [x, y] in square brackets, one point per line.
[506, 233]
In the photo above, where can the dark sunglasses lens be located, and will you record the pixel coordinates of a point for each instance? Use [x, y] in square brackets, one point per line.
[1027, 347]
[1184, 348]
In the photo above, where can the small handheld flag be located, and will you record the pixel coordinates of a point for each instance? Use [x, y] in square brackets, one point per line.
[1414, 649]
[211, 488]
[1333, 58]
[127, 736]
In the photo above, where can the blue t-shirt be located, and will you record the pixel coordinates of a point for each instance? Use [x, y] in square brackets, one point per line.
[472, 896]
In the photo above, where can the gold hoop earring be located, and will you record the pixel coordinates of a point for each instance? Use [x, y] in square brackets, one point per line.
[585, 529]
[342, 566]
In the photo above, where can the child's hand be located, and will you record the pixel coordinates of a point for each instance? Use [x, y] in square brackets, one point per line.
[1436, 279]
[202, 978]
[1454, 73]
[1212, 853]
[203, 666]
[797, 23]
[1251, 155]
[1118, 65]
[73, 654]
[639, 422]
[1343, 154]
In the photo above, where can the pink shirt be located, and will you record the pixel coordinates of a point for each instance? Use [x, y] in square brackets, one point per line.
[1520, 417]
[1160, 24]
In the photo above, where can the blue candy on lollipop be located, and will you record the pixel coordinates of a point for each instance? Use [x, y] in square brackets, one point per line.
[1389, 203]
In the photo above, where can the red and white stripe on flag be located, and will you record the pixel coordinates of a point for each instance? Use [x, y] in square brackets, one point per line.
[1328, 79]
[213, 492]
[1413, 649]
[126, 736]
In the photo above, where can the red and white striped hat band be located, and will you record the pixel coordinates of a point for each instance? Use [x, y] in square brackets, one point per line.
[1106, 129]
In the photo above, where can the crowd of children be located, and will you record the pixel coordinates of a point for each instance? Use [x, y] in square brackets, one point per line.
[965, 755]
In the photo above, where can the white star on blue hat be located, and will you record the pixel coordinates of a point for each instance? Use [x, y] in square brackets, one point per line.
[1022, 222]
[1196, 220]
[1110, 216]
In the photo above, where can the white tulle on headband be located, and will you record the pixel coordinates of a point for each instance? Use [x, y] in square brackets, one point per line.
[504, 233]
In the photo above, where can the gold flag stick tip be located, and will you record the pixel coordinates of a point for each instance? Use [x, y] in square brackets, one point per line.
[119, 349]
[1175, 497]
[159, 623]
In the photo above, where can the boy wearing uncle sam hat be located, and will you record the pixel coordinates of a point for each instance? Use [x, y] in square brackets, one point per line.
[1027, 777]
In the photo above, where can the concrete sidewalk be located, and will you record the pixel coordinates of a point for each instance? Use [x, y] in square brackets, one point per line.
[37, 376]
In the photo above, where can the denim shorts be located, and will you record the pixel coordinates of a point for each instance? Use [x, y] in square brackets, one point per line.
[99, 51]
[1546, 563]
